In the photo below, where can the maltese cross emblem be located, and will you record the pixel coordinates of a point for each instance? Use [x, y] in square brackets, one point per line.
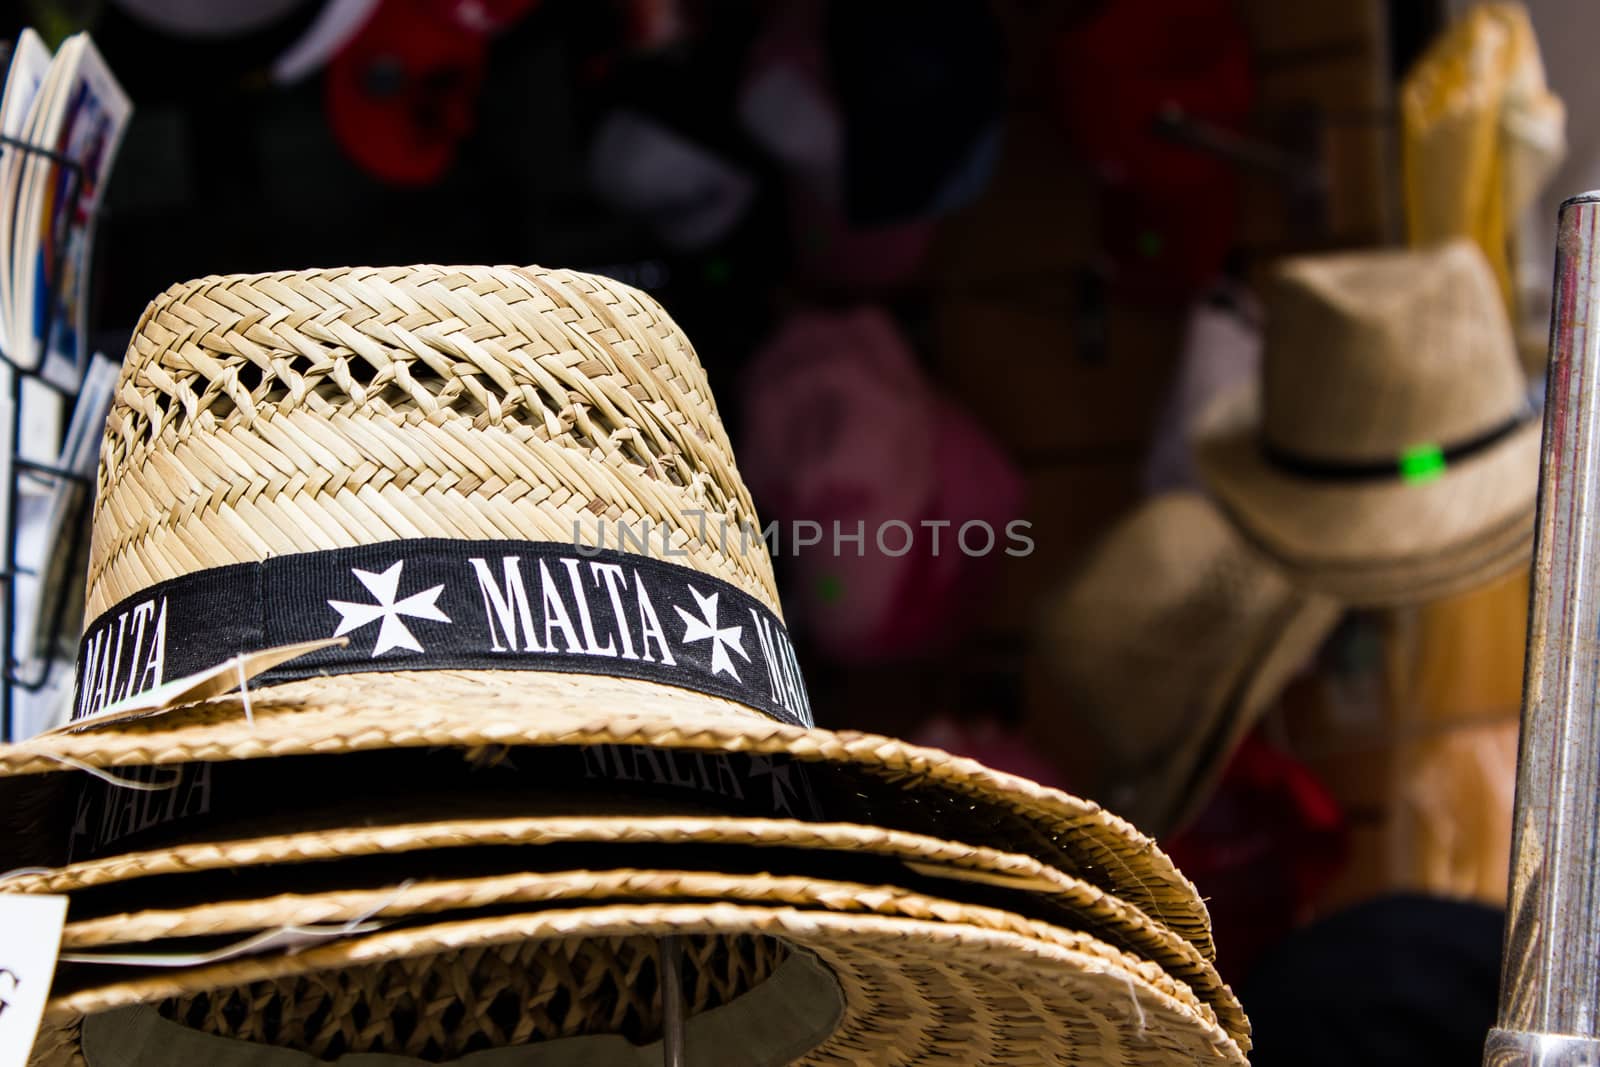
[705, 629]
[385, 588]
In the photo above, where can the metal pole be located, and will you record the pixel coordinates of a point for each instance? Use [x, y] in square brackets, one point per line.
[672, 1011]
[1550, 981]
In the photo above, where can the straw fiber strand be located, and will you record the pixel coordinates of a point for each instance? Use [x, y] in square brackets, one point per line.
[269, 414]
[914, 992]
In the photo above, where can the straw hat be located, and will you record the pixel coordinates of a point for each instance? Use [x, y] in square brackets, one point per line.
[1168, 646]
[1394, 450]
[1020, 893]
[410, 459]
[869, 989]
[296, 878]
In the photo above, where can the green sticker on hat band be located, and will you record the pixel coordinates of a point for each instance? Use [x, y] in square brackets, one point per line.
[1422, 463]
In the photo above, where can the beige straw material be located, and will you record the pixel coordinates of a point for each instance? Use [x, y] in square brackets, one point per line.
[1092, 910]
[1291, 643]
[263, 415]
[381, 711]
[1367, 356]
[502, 997]
[1418, 581]
[915, 991]
[294, 412]
[1167, 646]
[144, 930]
[946, 858]
[1421, 579]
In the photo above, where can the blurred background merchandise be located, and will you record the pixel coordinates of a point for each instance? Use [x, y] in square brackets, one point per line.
[984, 261]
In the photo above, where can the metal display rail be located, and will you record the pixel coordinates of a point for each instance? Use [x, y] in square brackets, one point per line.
[1550, 982]
[27, 672]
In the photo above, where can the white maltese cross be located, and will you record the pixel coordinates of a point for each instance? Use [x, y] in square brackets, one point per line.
[705, 629]
[385, 587]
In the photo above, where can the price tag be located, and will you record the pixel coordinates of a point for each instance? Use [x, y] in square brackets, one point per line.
[30, 939]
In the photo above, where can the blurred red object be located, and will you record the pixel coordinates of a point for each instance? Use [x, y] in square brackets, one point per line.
[1116, 76]
[1170, 247]
[1267, 844]
[1170, 219]
[402, 94]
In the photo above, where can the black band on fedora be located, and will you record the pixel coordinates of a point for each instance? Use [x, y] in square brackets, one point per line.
[435, 603]
[1419, 463]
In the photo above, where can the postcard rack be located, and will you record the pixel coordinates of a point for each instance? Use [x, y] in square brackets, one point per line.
[31, 669]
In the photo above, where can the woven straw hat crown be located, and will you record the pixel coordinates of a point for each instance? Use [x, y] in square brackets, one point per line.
[280, 413]
[1371, 353]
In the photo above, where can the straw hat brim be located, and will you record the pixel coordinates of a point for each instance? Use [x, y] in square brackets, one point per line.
[1086, 907]
[146, 931]
[385, 711]
[1413, 535]
[1167, 646]
[1292, 638]
[1418, 581]
[914, 990]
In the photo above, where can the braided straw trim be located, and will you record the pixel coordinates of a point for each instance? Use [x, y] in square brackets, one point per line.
[463, 894]
[268, 414]
[361, 712]
[915, 992]
[1101, 912]
[1019, 872]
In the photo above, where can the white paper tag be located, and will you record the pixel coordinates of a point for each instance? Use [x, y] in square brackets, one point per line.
[30, 938]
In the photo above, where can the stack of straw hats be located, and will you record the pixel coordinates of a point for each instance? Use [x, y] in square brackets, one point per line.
[1388, 455]
[500, 785]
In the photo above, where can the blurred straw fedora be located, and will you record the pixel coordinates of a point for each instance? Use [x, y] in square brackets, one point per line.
[415, 462]
[1168, 646]
[1394, 446]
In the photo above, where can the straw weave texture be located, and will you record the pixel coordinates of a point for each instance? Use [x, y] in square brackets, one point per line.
[378, 711]
[1370, 355]
[270, 414]
[299, 848]
[503, 995]
[1107, 916]
[236, 918]
[915, 992]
